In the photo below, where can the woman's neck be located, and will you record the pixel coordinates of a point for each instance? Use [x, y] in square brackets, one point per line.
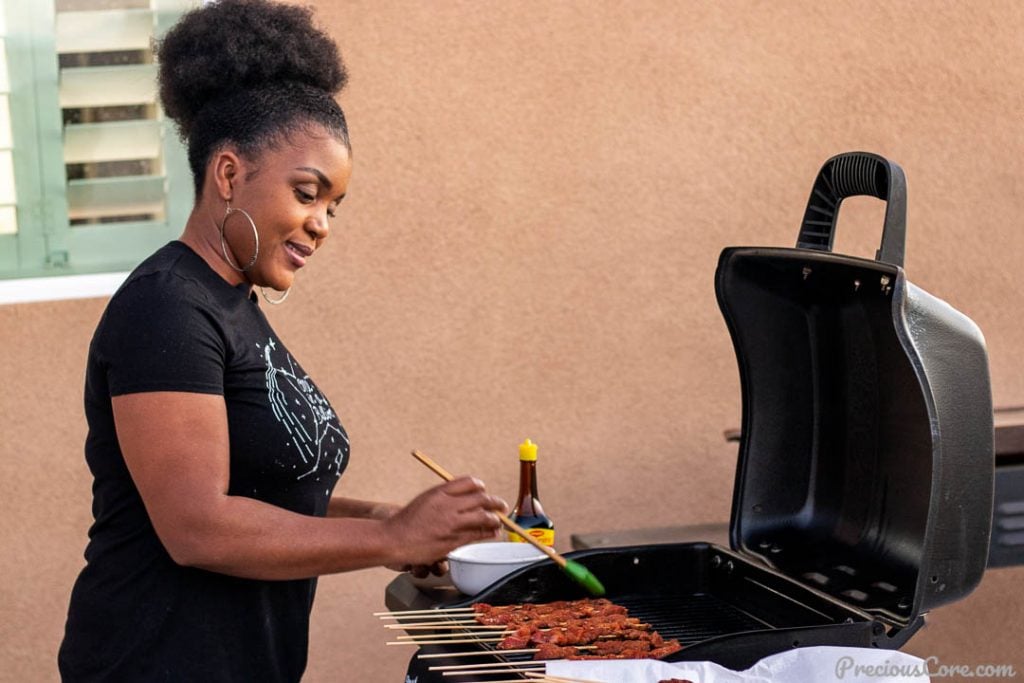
[202, 235]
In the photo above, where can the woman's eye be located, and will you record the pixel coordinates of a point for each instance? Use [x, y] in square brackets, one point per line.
[304, 197]
[330, 213]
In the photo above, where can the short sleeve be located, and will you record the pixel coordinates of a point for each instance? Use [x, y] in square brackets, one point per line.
[160, 334]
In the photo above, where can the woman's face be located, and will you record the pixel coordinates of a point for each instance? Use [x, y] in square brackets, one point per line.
[292, 193]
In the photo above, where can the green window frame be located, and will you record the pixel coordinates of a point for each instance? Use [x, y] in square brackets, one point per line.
[52, 237]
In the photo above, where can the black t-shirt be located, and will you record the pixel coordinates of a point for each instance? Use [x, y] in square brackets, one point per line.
[136, 615]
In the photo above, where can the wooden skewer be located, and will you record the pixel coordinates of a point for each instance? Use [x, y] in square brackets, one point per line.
[464, 623]
[423, 619]
[447, 476]
[559, 679]
[457, 638]
[492, 637]
[476, 653]
[444, 641]
[481, 672]
[407, 619]
[455, 623]
[480, 653]
[533, 672]
[483, 665]
[398, 614]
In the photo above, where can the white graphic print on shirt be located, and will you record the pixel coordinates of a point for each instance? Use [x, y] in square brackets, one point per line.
[305, 413]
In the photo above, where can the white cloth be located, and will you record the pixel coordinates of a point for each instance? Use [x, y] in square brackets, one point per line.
[801, 665]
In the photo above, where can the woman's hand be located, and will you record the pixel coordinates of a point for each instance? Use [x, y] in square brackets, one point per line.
[441, 519]
[350, 507]
[422, 571]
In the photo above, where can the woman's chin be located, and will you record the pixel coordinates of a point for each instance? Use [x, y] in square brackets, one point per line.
[279, 282]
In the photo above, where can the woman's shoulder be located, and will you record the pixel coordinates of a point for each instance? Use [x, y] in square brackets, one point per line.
[172, 292]
[175, 273]
[172, 269]
[164, 329]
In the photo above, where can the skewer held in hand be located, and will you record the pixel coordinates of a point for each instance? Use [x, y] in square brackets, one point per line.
[576, 571]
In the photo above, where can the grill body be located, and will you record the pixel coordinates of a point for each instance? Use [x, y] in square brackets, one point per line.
[722, 607]
[864, 483]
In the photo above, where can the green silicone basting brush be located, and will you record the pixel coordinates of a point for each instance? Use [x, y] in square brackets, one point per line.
[576, 571]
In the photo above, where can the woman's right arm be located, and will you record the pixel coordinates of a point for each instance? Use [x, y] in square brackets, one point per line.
[176, 447]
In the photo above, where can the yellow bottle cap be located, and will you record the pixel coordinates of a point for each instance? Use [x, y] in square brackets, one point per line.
[528, 451]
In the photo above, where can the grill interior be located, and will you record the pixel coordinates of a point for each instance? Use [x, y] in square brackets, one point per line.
[691, 618]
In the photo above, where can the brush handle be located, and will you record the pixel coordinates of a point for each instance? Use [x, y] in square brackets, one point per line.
[509, 524]
[525, 535]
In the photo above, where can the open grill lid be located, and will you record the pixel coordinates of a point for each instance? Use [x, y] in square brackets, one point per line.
[865, 463]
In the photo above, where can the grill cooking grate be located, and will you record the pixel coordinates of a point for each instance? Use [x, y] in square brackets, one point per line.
[690, 618]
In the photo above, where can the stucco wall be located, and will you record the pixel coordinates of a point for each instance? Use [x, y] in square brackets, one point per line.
[541, 191]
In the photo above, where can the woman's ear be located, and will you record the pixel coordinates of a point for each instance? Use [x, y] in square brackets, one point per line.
[224, 168]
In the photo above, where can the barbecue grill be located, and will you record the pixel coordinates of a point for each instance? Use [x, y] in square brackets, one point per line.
[864, 481]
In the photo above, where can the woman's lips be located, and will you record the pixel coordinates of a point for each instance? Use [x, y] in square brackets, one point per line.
[298, 253]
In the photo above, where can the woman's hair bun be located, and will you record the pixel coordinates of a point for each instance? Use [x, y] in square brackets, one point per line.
[232, 45]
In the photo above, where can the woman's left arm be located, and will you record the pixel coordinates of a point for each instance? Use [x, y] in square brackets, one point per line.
[368, 509]
[360, 509]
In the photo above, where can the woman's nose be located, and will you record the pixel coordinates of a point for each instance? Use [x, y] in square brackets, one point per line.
[317, 226]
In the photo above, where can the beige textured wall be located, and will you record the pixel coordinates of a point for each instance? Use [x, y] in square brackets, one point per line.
[540, 195]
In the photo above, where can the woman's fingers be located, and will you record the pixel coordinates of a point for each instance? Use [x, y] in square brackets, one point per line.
[444, 517]
[422, 571]
[471, 495]
[471, 501]
[462, 485]
[482, 501]
[480, 520]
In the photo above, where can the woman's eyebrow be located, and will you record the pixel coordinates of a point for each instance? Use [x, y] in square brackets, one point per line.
[318, 173]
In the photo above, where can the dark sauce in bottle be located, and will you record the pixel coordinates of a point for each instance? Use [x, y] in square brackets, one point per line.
[528, 512]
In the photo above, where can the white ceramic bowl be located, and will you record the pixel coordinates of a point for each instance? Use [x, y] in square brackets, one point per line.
[475, 566]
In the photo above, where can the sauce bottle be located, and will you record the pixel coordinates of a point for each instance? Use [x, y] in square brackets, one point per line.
[528, 512]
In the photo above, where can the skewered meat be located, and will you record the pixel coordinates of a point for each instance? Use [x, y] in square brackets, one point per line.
[551, 612]
[577, 629]
[580, 632]
[549, 651]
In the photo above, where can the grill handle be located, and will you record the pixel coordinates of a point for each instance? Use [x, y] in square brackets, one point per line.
[848, 175]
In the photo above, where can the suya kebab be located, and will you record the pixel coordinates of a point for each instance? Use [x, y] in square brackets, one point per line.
[577, 629]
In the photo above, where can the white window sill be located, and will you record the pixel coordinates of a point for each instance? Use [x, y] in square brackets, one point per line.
[28, 290]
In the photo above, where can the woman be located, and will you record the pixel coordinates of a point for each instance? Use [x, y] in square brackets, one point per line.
[214, 455]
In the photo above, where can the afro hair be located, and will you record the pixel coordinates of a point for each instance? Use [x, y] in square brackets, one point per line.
[247, 72]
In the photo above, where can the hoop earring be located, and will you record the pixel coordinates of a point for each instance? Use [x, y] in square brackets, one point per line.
[284, 296]
[224, 244]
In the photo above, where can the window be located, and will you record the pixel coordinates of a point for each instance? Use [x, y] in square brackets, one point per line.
[92, 177]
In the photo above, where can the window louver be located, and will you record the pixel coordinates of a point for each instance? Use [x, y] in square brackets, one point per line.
[8, 196]
[112, 131]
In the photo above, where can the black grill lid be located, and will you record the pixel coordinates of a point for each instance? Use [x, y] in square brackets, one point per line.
[866, 457]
